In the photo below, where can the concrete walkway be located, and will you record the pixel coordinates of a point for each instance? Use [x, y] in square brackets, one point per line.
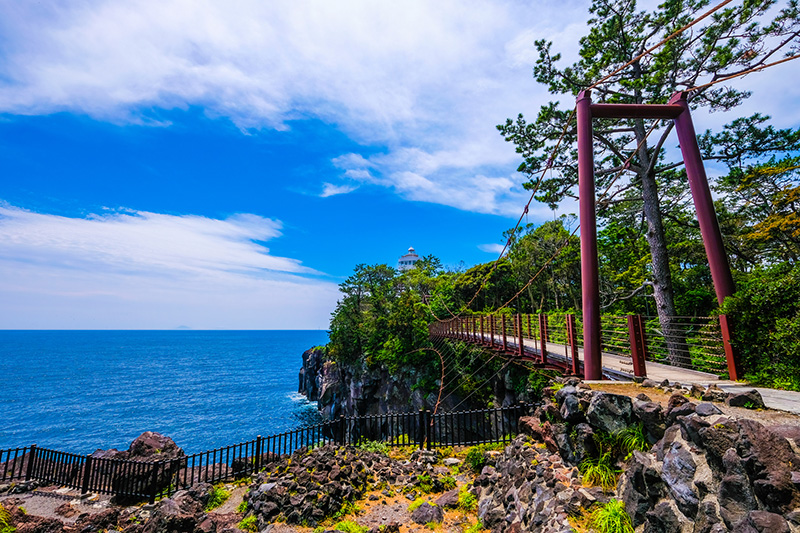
[621, 368]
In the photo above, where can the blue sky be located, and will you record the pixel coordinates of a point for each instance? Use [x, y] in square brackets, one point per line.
[225, 165]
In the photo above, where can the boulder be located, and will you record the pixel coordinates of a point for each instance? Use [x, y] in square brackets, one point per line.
[749, 399]
[652, 416]
[707, 409]
[427, 513]
[448, 500]
[610, 413]
[761, 522]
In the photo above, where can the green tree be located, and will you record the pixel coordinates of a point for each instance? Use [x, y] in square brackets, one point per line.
[732, 40]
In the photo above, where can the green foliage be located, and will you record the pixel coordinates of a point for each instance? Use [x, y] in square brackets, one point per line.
[425, 483]
[538, 380]
[348, 526]
[242, 507]
[448, 483]
[248, 523]
[348, 507]
[467, 501]
[5, 521]
[373, 446]
[217, 497]
[611, 518]
[765, 315]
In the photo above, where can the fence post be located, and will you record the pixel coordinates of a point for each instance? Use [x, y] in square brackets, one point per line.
[154, 483]
[428, 429]
[87, 471]
[637, 345]
[503, 322]
[491, 330]
[543, 336]
[421, 432]
[731, 354]
[342, 429]
[572, 337]
[31, 460]
[259, 453]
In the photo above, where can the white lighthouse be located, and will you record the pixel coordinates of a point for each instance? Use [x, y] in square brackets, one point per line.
[407, 261]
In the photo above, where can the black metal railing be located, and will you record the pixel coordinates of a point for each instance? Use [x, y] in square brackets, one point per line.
[140, 480]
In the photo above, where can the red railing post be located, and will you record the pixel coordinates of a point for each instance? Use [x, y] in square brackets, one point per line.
[543, 335]
[483, 337]
[491, 330]
[520, 346]
[503, 322]
[573, 344]
[638, 346]
[731, 354]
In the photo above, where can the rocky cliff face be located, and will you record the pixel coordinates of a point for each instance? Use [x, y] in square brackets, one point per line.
[352, 390]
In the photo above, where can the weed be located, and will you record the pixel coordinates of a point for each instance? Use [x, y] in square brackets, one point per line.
[348, 507]
[348, 526]
[448, 483]
[476, 455]
[432, 525]
[217, 497]
[5, 517]
[611, 518]
[425, 483]
[634, 438]
[242, 508]
[319, 529]
[248, 523]
[446, 451]
[466, 500]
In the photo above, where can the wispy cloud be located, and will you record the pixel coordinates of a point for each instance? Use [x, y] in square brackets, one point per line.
[139, 269]
[493, 248]
[328, 189]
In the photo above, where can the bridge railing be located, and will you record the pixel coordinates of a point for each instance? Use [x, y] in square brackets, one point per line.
[697, 343]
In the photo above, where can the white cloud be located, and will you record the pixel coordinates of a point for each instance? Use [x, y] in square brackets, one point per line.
[328, 189]
[151, 270]
[424, 82]
[493, 248]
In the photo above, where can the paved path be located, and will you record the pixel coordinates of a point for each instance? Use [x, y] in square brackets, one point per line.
[621, 368]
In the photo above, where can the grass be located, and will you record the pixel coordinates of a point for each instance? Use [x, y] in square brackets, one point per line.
[248, 524]
[348, 526]
[611, 518]
[599, 471]
[425, 483]
[242, 507]
[217, 497]
[415, 504]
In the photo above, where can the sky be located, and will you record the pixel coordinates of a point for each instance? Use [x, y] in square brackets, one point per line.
[225, 165]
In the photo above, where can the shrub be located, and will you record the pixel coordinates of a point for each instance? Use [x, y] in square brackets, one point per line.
[448, 483]
[611, 518]
[373, 446]
[476, 455]
[242, 507]
[248, 523]
[217, 497]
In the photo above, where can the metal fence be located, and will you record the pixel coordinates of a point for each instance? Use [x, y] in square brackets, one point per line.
[148, 480]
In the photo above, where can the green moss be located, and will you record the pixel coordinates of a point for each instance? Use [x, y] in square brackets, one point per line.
[248, 523]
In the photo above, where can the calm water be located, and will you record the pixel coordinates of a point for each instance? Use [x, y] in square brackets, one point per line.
[78, 391]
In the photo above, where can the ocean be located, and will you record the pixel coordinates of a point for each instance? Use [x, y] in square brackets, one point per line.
[79, 391]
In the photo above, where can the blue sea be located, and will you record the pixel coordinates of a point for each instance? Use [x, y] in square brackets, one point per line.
[78, 391]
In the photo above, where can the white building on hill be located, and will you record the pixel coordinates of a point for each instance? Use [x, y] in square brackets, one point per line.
[407, 261]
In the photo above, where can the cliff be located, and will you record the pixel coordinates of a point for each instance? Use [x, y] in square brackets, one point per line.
[354, 390]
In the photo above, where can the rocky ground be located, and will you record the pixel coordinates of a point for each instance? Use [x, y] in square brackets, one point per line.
[717, 464]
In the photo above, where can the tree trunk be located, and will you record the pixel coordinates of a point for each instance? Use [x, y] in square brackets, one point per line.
[663, 293]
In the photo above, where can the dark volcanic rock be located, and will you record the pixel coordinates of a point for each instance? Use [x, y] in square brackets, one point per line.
[750, 399]
[427, 513]
[610, 412]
